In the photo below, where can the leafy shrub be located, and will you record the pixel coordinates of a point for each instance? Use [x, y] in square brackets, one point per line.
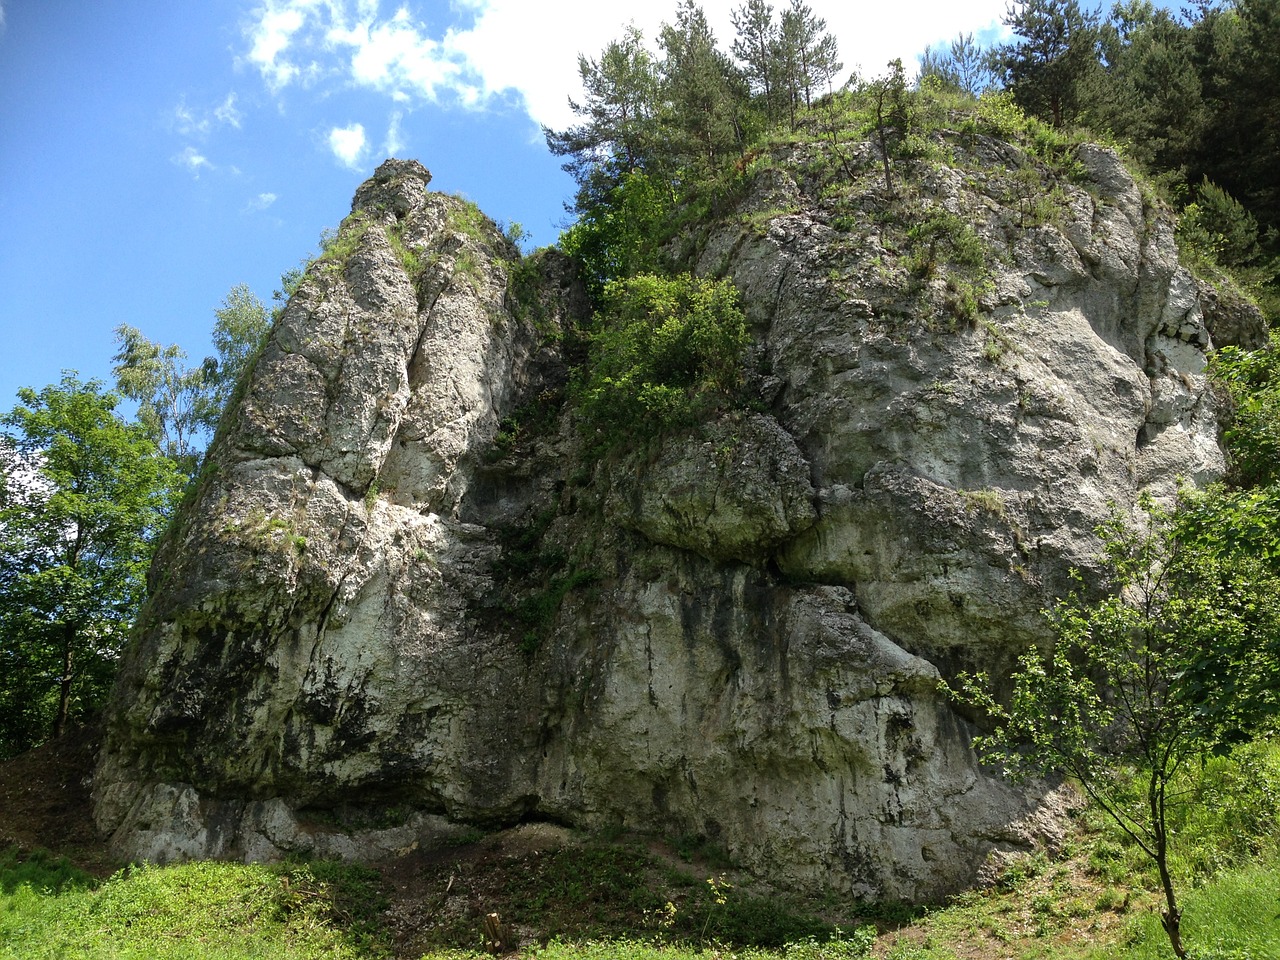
[664, 353]
[621, 236]
[945, 237]
[1253, 433]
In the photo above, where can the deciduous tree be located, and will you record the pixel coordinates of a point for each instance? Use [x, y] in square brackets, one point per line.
[1180, 658]
[84, 495]
[180, 404]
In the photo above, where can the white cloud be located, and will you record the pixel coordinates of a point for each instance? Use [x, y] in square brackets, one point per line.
[1, 16]
[198, 122]
[260, 202]
[227, 113]
[531, 49]
[187, 123]
[395, 56]
[394, 142]
[276, 24]
[193, 160]
[348, 144]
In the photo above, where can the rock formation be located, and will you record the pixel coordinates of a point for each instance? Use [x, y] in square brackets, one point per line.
[406, 600]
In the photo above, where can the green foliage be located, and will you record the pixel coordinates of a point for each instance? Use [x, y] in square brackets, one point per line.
[1179, 661]
[1252, 433]
[1217, 227]
[618, 134]
[891, 116]
[942, 237]
[1047, 67]
[593, 891]
[534, 578]
[664, 353]
[407, 256]
[962, 66]
[201, 911]
[176, 403]
[537, 610]
[701, 117]
[622, 234]
[805, 57]
[240, 328]
[84, 495]
[180, 405]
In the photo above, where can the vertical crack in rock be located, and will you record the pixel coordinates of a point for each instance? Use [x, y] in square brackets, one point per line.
[405, 580]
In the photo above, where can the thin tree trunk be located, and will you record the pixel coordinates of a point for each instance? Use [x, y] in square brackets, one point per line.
[1171, 918]
[64, 690]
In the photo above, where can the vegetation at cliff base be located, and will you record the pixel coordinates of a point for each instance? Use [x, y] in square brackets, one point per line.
[1159, 697]
[204, 910]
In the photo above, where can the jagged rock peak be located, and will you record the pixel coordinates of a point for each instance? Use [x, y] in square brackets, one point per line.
[397, 186]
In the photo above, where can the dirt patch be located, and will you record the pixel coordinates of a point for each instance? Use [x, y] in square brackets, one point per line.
[45, 802]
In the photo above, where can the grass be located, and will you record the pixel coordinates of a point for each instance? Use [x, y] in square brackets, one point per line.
[201, 911]
[600, 901]
[1234, 917]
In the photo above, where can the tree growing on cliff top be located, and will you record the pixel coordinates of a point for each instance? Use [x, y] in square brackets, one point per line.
[618, 128]
[1178, 661]
[1047, 66]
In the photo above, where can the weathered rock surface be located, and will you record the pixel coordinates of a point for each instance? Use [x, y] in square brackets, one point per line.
[374, 602]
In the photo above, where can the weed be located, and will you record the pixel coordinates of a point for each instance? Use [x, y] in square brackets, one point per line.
[466, 265]
[337, 247]
[409, 259]
[990, 501]
[468, 219]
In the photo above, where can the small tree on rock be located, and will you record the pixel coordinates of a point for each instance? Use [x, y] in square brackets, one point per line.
[1179, 660]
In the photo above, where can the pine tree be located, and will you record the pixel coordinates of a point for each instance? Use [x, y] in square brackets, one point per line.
[619, 129]
[1048, 67]
[1240, 74]
[962, 66]
[807, 55]
[756, 47]
[703, 94]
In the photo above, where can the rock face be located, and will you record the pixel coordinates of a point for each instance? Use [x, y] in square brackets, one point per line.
[405, 601]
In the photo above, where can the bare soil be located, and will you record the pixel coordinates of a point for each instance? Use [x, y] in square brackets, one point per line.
[45, 803]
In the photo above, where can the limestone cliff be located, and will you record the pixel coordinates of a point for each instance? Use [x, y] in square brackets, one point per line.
[386, 614]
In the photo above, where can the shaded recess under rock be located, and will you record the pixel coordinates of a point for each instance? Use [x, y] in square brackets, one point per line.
[376, 625]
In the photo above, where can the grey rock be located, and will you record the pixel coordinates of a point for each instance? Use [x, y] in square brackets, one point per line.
[738, 630]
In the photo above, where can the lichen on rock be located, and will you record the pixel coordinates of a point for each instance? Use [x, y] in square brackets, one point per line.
[407, 582]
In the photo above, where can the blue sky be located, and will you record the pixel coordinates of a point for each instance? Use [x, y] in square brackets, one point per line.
[154, 153]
